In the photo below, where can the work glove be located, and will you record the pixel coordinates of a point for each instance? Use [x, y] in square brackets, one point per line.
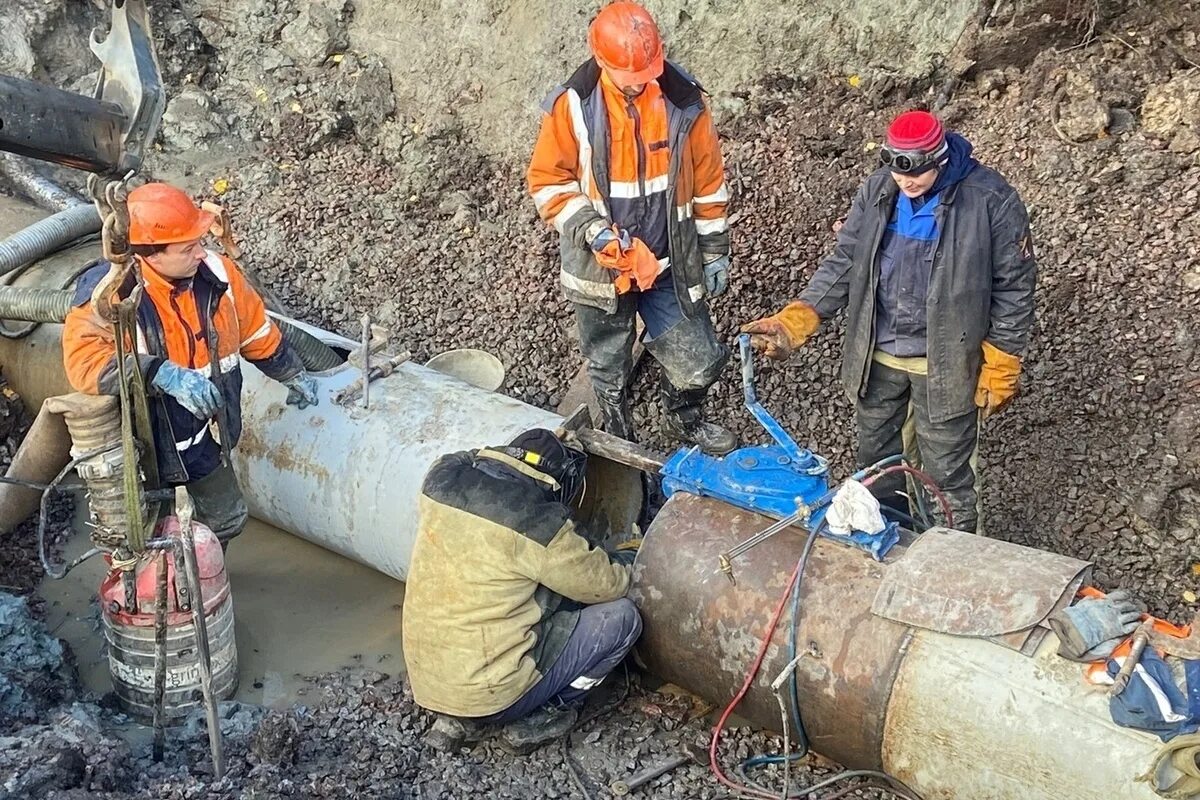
[626, 552]
[1092, 628]
[302, 390]
[777, 336]
[716, 276]
[192, 390]
[997, 379]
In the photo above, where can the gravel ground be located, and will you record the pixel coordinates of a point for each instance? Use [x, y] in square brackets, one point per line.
[340, 215]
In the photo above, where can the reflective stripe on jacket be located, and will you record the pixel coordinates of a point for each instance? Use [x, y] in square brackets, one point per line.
[598, 158]
[185, 322]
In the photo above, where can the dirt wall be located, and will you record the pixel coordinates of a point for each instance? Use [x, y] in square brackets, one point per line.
[495, 60]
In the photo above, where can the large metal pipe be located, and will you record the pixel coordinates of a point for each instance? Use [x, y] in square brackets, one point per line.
[952, 716]
[43, 453]
[27, 180]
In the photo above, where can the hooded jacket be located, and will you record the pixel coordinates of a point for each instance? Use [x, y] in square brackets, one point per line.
[497, 572]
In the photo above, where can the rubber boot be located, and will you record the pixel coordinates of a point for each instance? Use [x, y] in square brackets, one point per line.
[450, 734]
[548, 723]
[617, 414]
[684, 420]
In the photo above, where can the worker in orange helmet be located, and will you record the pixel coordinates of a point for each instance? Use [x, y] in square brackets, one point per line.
[198, 313]
[628, 170]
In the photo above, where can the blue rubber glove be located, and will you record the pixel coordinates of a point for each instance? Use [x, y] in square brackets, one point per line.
[612, 234]
[302, 390]
[192, 390]
[716, 276]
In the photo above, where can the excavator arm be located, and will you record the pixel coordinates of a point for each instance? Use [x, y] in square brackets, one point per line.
[106, 134]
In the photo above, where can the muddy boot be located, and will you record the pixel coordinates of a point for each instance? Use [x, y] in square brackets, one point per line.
[684, 420]
[617, 414]
[548, 723]
[450, 734]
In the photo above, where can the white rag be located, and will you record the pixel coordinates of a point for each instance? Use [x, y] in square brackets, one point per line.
[854, 508]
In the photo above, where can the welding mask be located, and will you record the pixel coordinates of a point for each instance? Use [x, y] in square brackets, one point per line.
[548, 454]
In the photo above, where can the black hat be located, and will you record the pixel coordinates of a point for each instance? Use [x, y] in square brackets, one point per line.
[548, 454]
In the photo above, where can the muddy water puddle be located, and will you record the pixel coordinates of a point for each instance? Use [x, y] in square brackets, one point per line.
[300, 611]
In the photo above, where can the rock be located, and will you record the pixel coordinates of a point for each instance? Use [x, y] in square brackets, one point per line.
[16, 54]
[33, 674]
[1082, 116]
[317, 33]
[191, 121]
[1171, 112]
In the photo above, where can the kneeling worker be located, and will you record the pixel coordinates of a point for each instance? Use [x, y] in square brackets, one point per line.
[197, 315]
[510, 615]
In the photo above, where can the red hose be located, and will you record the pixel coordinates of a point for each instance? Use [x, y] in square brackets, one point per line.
[924, 478]
[750, 676]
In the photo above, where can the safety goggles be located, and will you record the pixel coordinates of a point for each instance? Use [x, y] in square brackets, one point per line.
[911, 162]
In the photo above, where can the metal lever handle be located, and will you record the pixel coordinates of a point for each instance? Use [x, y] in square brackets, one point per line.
[798, 454]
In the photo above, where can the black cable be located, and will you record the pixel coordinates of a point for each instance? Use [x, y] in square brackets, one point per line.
[43, 514]
[40, 487]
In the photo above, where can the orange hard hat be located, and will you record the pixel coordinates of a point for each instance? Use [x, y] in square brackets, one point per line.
[625, 41]
[160, 213]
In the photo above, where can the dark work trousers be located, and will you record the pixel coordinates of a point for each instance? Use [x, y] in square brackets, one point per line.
[219, 502]
[947, 449]
[603, 635]
[687, 349]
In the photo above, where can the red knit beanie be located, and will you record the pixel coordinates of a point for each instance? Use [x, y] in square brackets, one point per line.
[916, 131]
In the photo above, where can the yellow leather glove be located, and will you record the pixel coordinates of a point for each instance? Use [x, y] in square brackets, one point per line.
[997, 379]
[778, 335]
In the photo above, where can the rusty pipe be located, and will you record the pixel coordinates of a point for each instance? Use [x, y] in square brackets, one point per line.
[927, 707]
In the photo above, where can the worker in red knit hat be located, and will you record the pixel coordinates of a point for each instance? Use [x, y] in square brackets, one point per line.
[934, 267]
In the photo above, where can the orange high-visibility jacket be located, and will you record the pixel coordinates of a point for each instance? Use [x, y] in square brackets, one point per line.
[185, 322]
[651, 165]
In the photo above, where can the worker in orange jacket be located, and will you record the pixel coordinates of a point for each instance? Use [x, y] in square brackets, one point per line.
[197, 315]
[628, 169]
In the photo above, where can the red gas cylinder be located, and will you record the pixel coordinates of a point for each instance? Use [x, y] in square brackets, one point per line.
[129, 628]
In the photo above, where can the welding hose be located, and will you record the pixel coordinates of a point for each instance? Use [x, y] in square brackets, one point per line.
[797, 720]
[749, 786]
[713, 762]
[925, 479]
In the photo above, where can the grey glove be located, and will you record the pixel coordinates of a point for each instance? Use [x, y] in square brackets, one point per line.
[716, 276]
[302, 390]
[190, 388]
[1092, 628]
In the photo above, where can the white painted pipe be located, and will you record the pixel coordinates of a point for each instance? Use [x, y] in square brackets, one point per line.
[348, 479]
[970, 719]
